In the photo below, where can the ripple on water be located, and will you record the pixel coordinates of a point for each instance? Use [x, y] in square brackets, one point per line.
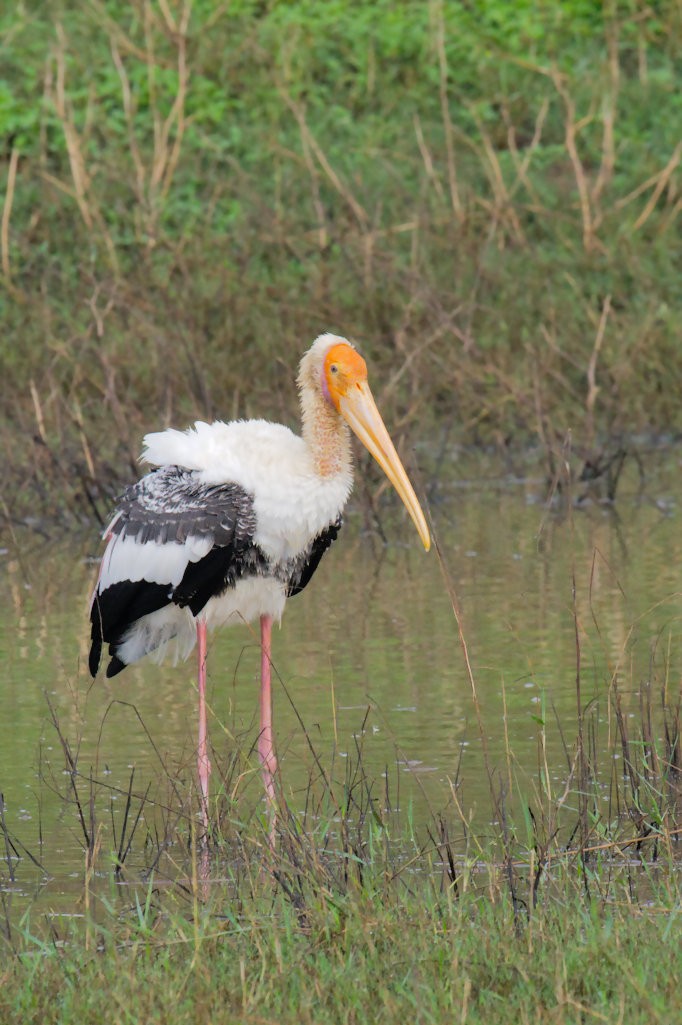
[372, 661]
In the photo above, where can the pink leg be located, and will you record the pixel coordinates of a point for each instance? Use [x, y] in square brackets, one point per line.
[266, 750]
[203, 763]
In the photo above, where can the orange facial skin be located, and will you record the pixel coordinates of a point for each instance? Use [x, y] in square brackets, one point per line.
[344, 368]
[344, 382]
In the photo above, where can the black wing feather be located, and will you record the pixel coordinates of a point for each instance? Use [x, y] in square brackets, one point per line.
[217, 571]
[168, 505]
[116, 608]
[171, 503]
[304, 572]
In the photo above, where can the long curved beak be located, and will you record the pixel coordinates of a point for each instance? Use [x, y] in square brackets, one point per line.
[359, 410]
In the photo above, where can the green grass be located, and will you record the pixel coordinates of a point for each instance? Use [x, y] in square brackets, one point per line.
[488, 202]
[490, 205]
[409, 951]
[562, 908]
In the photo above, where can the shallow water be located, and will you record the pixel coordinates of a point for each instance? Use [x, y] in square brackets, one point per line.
[368, 658]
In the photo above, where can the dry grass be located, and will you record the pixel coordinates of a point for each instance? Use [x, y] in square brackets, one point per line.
[509, 275]
[562, 908]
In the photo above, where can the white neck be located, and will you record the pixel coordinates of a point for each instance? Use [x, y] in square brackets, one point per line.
[326, 434]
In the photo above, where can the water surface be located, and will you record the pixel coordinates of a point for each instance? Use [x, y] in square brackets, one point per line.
[369, 659]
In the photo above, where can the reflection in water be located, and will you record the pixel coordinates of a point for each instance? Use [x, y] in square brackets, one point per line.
[369, 663]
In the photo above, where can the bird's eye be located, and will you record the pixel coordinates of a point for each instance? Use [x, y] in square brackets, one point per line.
[333, 369]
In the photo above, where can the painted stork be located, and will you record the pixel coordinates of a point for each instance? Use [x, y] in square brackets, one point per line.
[232, 520]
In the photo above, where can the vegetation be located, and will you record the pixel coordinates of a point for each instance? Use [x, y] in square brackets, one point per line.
[348, 921]
[425, 958]
[486, 196]
[559, 901]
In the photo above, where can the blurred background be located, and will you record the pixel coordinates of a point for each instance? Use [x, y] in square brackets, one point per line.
[486, 196]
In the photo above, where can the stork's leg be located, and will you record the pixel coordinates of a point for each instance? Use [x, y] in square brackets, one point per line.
[266, 749]
[203, 763]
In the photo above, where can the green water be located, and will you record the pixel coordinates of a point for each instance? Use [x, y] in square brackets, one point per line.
[369, 655]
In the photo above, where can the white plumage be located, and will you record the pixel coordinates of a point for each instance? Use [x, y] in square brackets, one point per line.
[292, 506]
[234, 519]
[292, 502]
[158, 563]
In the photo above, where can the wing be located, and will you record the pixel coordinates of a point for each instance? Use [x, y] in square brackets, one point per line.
[309, 563]
[173, 539]
[172, 504]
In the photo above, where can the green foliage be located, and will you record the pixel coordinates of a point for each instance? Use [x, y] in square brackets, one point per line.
[462, 186]
[416, 956]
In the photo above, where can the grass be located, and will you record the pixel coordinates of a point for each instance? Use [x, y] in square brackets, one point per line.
[564, 908]
[192, 191]
[277, 941]
[558, 901]
[416, 955]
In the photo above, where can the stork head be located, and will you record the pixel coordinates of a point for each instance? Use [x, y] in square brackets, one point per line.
[341, 374]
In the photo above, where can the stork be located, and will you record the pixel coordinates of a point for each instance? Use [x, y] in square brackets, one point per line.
[232, 520]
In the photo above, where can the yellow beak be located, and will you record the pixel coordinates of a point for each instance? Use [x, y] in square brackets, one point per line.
[359, 410]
